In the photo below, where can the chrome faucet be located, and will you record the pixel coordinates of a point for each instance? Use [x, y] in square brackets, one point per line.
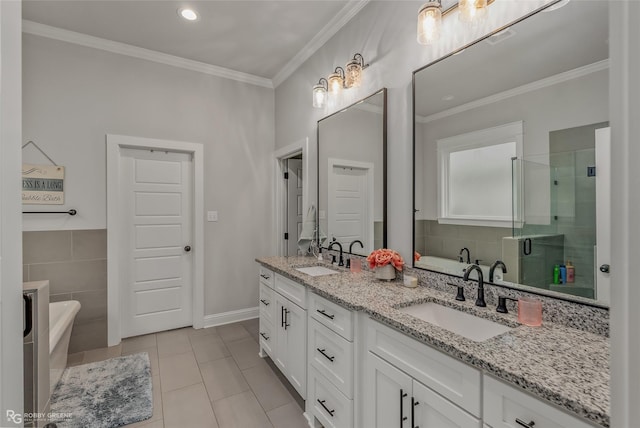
[333, 260]
[497, 263]
[480, 300]
[357, 241]
[468, 255]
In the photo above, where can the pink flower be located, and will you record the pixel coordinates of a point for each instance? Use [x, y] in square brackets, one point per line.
[416, 256]
[383, 257]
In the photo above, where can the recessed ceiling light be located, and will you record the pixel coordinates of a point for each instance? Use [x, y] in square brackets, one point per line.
[448, 98]
[188, 14]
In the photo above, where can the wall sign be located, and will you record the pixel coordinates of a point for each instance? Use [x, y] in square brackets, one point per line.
[42, 184]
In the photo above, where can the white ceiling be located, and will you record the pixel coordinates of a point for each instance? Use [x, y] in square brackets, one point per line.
[260, 38]
[543, 45]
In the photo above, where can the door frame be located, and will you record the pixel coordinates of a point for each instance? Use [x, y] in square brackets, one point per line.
[114, 227]
[280, 190]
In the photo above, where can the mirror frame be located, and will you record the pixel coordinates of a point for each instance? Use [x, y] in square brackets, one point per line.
[384, 163]
[514, 286]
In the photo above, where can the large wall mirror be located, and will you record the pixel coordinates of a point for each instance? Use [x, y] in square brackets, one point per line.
[352, 176]
[512, 154]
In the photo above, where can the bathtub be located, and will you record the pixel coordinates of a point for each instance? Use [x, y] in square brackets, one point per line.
[61, 316]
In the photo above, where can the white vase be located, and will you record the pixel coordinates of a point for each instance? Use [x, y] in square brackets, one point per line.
[386, 272]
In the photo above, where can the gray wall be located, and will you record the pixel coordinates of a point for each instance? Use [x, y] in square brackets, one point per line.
[75, 263]
[74, 95]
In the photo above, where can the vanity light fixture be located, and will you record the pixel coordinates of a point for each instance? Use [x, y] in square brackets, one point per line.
[353, 71]
[320, 93]
[336, 81]
[431, 14]
[429, 22]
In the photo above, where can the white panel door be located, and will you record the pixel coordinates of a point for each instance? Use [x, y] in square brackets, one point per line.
[603, 213]
[350, 203]
[156, 193]
[294, 205]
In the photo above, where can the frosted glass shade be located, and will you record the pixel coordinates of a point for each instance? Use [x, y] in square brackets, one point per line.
[353, 74]
[319, 96]
[335, 83]
[472, 11]
[429, 23]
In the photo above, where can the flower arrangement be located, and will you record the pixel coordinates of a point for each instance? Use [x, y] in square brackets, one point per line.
[383, 257]
[416, 256]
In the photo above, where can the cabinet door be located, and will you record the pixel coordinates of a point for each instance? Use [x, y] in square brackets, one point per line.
[296, 330]
[281, 347]
[432, 410]
[387, 395]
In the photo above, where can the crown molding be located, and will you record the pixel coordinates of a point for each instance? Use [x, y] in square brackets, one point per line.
[345, 15]
[37, 29]
[538, 84]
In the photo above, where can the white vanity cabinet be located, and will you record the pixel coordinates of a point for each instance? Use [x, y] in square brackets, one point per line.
[409, 384]
[331, 360]
[283, 326]
[508, 407]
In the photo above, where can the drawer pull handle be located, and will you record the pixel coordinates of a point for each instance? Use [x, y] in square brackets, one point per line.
[265, 276]
[264, 336]
[331, 412]
[414, 403]
[286, 318]
[325, 355]
[524, 424]
[322, 312]
[264, 302]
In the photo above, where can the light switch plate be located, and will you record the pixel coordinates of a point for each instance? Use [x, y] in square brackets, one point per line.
[212, 215]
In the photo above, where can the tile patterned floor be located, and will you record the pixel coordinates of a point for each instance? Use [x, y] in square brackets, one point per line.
[210, 378]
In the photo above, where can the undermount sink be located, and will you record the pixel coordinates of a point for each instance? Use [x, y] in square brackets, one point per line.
[316, 270]
[466, 325]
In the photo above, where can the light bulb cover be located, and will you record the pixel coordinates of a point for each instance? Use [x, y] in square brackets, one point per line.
[429, 23]
[336, 81]
[320, 93]
[472, 11]
[353, 71]
[188, 14]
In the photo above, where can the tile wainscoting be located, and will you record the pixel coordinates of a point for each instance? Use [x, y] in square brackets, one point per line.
[75, 263]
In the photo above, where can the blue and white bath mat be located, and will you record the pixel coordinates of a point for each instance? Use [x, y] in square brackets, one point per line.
[105, 394]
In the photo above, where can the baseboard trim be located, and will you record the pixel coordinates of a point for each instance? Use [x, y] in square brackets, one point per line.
[230, 317]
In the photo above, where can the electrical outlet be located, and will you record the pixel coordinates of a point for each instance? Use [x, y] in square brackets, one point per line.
[212, 215]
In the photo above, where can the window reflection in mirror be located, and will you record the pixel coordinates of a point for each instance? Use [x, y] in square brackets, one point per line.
[549, 74]
[352, 176]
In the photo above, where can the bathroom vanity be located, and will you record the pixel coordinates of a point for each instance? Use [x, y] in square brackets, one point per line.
[359, 359]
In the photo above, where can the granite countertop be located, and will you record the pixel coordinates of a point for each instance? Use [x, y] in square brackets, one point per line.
[564, 366]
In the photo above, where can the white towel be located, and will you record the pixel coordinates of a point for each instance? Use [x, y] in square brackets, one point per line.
[308, 234]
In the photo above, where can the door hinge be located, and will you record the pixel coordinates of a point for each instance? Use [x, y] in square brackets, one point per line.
[286, 175]
[286, 235]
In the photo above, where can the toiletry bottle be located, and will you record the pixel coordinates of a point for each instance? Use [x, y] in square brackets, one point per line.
[556, 274]
[563, 274]
[571, 272]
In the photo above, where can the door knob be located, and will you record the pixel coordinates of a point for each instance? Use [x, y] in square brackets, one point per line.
[187, 248]
[604, 268]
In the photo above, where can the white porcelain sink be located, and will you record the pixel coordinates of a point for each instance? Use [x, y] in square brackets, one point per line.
[467, 325]
[316, 270]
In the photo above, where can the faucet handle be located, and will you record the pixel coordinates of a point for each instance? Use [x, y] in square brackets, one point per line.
[460, 294]
[502, 304]
[478, 261]
[333, 258]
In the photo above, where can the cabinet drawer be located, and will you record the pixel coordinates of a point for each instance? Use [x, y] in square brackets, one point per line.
[329, 405]
[450, 378]
[267, 337]
[332, 356]
[267, 303]
[332, 315]
[432, 410]
[291, 290]
[503, 404]
[267, 277]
